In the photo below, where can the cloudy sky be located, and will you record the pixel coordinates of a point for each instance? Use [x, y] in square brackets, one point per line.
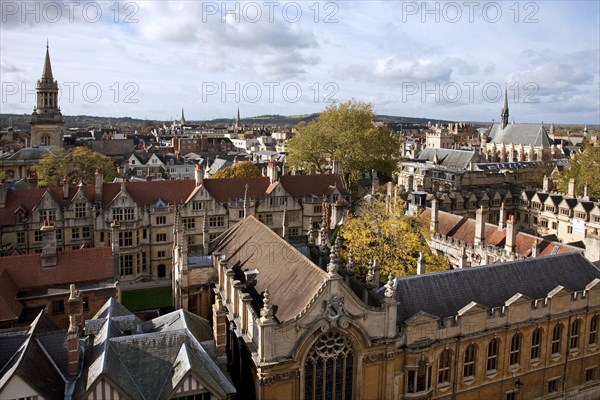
[439, 60]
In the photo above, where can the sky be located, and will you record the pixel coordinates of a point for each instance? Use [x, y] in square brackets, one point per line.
[437, 60]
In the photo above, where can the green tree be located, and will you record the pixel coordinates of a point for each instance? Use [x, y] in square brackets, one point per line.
[382, 231]
[346, 132]
[585, 169]
[78, 165]
[244, 169]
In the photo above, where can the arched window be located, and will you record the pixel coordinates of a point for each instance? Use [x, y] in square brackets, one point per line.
[536, 343]
[556, 338]
[593, 339]
[469, 363]
[492, 357]
[444, 367]
[574, 335]
[329, 368]
[515, 349]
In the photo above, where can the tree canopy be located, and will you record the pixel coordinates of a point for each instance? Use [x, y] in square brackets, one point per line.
[585, 168]
[346, 132]
[244, 169]
[78, 165]
[380, 230]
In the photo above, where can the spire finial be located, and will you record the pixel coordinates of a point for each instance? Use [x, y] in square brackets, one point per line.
[266, 312]
[389, 287]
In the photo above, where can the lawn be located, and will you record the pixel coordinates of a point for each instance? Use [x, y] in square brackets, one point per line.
[146, 299]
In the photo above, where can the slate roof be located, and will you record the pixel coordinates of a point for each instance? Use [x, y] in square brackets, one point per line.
[525, 134]
[38, 356]
[463, 229]
[299, 186]
[291, 278]
[451, 158]
[171, 344]
[443, 294]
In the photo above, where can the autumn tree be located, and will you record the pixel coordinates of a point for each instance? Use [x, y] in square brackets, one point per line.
[78, 165]
[244, 169]
[347, 132]
[585, 169]
[380, 230]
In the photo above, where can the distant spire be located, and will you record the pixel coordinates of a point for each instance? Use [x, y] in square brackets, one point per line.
[237, 120]
[182, 116]
[504, 113]
[47, 73]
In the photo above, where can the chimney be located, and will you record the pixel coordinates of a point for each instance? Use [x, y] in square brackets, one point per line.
[435, 222]
[99, 181]
[272, 171]
[199, 174]
[546, 185]
[502, 217]
[479, 228]
[219, 325]
[75, 306]
[511, 235]
[420, 265]
[48, 244]
[571, 187]
[585, 191]
[462, 262]
[73, 347]
[2, 193]
[65, 188]
[534, 249]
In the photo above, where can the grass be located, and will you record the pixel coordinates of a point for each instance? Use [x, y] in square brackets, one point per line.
[146, 299]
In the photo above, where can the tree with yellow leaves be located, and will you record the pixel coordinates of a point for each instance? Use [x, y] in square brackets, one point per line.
[380, 230]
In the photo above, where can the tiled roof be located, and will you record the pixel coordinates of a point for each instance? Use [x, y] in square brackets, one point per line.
[224, 190]
[10, 308]
[169, 343]
[463, 229]
[443, 294]
[526, 134]
[72, 266]
[451, 158]
[32, 359]
[146, 193]
[299, 186]
[291, 278]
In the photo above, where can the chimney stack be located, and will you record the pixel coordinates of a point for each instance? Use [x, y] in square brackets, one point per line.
[272, 171]
[420, 265]
[75, 306]
[199, 174]
[65, 188]
[546, 184]
[571, 187]
[511, 235]
[73, 347]
[48, 244]
[479, 228]
[502, 217]
[99, 180]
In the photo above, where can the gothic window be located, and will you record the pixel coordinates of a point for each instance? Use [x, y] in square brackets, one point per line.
[469, 363]
[593, 339]
[536, 343]
[574, 336]
[515, 350]
[444, 367]
[492, 358]
[556, 338]
[329, 368]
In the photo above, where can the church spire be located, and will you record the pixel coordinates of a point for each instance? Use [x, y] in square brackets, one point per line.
[504, 113]
[47, 73]
[182, 116]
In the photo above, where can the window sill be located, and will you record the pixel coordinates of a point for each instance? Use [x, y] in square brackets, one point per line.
[491, 374]
[469, 380]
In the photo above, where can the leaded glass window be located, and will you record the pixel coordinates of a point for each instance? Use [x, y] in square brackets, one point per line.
[329, 368]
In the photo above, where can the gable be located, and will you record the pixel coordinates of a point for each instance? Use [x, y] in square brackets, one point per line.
[105, 389]
[188, 384]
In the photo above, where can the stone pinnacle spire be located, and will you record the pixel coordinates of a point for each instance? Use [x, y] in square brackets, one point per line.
[504, 113]
[47, 73]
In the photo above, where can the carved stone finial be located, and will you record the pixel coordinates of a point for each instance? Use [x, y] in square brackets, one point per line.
[371, 272]
[350, 264]
[267, 311]
[334, 259]
[311, 234]
[389, 287]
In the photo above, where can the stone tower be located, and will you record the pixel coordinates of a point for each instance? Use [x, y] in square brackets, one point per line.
[46, 120]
